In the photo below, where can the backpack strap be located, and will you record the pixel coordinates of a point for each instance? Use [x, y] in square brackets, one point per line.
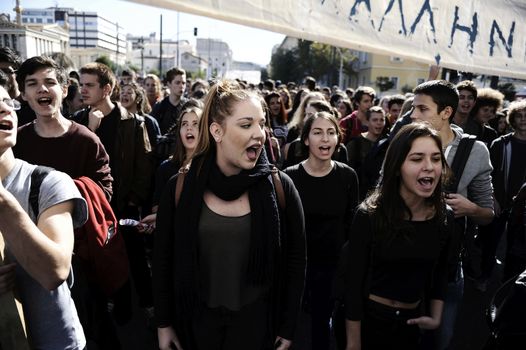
[278, 186]
[459, 161]
[37, 177]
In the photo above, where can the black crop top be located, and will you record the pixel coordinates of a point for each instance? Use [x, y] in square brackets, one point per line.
[401, 268]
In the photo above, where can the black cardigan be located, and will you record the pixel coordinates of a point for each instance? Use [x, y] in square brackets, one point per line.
[287, 285]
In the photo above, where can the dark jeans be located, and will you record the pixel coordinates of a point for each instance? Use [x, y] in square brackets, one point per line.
[319, 285]
[222, 329]
[338, 326]
[92, 309]
[385, 327]
[139, 269]
[490, 236]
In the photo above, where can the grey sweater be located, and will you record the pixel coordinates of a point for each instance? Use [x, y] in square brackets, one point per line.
[475, 183]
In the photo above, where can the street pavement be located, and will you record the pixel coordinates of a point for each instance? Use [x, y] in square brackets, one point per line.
[471, 330]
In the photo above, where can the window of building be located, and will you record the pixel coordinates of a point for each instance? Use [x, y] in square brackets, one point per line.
[397, 59]
[15, 42]
[363, 57]
[395, 82]
[24, 20]
[49, 20]
[39, 20]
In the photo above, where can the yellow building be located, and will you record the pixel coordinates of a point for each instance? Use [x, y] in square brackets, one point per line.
[404, 73]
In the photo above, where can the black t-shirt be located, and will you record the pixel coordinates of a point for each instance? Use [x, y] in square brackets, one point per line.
[107, 131]
[328, 203]
[517, 167]
[399, 267]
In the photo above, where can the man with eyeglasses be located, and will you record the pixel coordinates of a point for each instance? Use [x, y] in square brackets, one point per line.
[38, 242]
[9, 64]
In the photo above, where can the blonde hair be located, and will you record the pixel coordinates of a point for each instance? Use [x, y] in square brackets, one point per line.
[219, 105]
[299, 114]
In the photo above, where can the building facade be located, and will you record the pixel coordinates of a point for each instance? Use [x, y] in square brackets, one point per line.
[404, 73]
[218, 55]
[34, 39]
[194, 65]
[91, 35]
[145, 54]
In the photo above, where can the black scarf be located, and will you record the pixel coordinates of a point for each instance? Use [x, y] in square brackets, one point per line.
[264, 235]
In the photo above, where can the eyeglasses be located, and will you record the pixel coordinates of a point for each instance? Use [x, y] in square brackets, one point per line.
[14, 104]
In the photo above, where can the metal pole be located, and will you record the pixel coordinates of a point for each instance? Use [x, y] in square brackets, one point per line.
[117, 48]
[161, 51]
[177, 39]
[209, 59]
[340, 76]
[141, 43]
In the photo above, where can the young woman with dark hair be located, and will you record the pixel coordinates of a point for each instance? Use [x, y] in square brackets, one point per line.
[187, 131]
[329, 194]
[285, 97]
[229, 259]
[296, 151]
[276, 108]
[344, 107]
[133, 98]
[399, 247]
[277, 116]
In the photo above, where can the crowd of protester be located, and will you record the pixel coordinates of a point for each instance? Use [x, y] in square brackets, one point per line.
[256, 204]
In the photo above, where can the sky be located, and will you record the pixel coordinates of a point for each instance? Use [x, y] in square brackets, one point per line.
[247, 44]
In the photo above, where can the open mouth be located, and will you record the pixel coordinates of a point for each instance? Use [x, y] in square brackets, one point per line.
[44, 101]
[426, 182]
[190, 137]
[253, 152]
[325, 149]
[6, 125]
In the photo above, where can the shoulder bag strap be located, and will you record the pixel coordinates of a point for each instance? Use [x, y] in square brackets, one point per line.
[278, 185]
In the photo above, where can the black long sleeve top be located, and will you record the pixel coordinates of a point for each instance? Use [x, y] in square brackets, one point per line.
[407, 267]
[329, 203]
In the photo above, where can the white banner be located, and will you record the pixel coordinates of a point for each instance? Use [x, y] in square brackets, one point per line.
[480, 36]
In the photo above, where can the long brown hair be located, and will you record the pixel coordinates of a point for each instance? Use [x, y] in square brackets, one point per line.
[385, 202]
[282, 117]
[179, 155]
[141, 102]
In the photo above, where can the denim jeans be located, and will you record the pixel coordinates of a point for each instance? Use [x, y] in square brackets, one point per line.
[385, 327]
